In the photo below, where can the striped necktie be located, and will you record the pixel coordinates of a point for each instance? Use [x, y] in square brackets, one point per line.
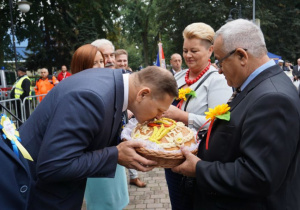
[234, 94]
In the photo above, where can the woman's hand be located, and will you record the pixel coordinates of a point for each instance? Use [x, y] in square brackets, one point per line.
[176, 114]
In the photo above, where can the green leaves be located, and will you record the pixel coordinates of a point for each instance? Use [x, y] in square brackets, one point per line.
[225, 116]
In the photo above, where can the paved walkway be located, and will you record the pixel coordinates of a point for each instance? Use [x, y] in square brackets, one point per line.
[154, 196]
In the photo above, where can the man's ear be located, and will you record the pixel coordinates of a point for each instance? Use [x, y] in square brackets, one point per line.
[143, 92]
[243, 56]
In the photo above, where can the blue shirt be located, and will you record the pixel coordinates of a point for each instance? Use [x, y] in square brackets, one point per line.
[257, 72]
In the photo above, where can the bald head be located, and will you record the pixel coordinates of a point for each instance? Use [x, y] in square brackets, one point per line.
[176, 62]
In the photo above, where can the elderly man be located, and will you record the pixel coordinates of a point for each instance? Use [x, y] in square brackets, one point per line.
[250, 161]
[176, 62]
[45, 83]
[108, 50]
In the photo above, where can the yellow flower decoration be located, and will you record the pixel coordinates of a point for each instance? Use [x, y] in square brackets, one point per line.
[220, 111]
[184, 92]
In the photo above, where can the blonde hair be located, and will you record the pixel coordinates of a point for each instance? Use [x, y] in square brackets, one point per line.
[121, 52]
[200, 31]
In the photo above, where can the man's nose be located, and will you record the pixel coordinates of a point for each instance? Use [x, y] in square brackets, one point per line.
[109, 59]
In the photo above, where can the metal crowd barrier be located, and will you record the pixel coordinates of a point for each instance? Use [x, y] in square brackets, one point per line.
[4, 95]
[9, 109]
[21, 109]
[33, 102]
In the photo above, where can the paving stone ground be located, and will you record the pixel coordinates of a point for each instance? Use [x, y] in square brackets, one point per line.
[154, 196]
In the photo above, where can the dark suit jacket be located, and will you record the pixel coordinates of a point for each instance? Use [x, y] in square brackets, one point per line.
[72, 134]
[253, 160]
[15, 179]
[296, 72]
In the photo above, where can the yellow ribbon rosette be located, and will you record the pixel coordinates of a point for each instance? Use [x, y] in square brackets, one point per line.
[9, 132]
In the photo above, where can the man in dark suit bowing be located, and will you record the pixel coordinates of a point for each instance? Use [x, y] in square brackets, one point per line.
[252, 160]
[72, 134]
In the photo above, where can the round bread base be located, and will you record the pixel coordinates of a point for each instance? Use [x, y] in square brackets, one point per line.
[163, 159]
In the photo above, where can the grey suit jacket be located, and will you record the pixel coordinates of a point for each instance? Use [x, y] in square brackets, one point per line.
[296, 71]
[252, 161]
[72, 134]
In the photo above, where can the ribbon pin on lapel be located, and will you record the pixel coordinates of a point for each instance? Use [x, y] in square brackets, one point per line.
[9, 132]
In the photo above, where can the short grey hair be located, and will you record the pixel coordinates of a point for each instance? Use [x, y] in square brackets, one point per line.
[245, 34]
[101, 42]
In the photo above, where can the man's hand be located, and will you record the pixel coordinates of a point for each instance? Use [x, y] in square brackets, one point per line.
[188, 167]
[130, 159]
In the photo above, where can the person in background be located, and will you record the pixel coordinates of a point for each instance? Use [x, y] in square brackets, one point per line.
[20, 90]
[282, 65]
[176, 62]
[44, 84]
[296, 70]
[115, 195]
[215, 64]
[108, 50]
[210, 88]
[85, 57]
[122, 63]
[121, 60]
[63, 74]
[252, 160]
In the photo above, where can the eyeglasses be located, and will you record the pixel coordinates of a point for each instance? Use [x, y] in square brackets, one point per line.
[226, 56]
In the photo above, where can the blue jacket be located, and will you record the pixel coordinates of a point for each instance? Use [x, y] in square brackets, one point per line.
[15, 179]
[72, 134]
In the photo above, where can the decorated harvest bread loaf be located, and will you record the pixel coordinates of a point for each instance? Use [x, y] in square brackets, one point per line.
[167, 133]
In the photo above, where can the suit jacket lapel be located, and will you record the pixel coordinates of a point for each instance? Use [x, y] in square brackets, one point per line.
[119, 99]
[5, 148]
[269, 72]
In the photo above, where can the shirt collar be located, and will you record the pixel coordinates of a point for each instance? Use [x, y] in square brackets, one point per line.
[126, 90]
[257, 72]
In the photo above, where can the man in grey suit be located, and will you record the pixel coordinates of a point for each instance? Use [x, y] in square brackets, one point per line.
[252, 160]
[72, 134]
[296, 70]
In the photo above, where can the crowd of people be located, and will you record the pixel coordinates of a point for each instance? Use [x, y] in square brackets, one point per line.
[249, 161]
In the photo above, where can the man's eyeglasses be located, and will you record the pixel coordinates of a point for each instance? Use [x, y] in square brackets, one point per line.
[226, 56]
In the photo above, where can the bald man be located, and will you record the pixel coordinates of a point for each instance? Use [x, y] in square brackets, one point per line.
[175, 62]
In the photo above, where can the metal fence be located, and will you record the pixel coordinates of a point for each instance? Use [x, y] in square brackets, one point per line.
[4, 95]
[19, 111]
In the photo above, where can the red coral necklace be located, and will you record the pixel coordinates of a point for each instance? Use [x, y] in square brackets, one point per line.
[190, 82]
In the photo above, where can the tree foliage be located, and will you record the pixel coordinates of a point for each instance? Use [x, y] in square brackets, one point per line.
[55, 29]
